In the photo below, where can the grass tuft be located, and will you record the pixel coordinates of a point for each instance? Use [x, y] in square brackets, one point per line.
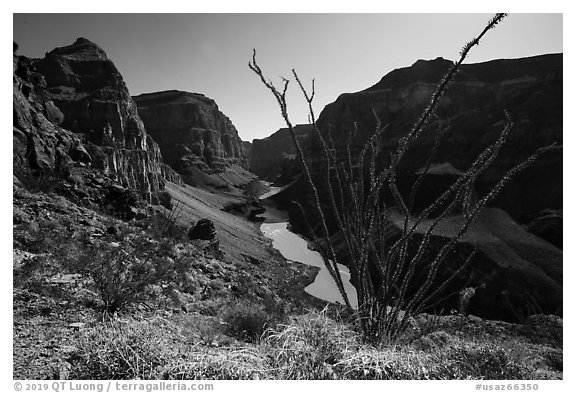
[311, 346]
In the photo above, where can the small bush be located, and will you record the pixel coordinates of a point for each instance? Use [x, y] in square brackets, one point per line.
[130, 350]
[165, 224]
[483, 362]
[309, 346]
[130, 271]
[246, 321]
[199, 328]
[164, 199]
[433, 341]
[156, 349]
[34, 266]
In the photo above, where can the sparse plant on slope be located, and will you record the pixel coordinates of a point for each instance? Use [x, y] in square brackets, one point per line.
[246, 321]
[165, 224]
[130, 270]
[127, 350]
[395, 277]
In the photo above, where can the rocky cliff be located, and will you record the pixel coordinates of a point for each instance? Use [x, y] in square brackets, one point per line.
[512, 265]
[194, 136]
[73, 104]
[38, 141]
[272, 157]
[530, 89]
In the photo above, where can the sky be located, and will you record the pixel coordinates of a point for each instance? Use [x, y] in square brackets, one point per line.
[209, 53]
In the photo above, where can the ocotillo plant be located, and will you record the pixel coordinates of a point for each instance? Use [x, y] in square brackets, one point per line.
[386, 272]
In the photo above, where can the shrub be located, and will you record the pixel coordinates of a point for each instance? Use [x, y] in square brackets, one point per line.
[396, 277]
[126, 272]
[155, 349]
[540, 327]
[132, 350]
[309, 346]
[34, 265]
[546, 329]
[314, 346]
[483, 362]
[246, 321]
[164, 199]
[166, 224]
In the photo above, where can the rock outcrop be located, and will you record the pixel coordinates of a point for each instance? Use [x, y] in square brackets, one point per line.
[194, 136]
[74, 105]
[38, 142]
[530, 89]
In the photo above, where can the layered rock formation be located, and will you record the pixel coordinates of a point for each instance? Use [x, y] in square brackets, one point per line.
[78, 108]
[195, 138]
[530, 89]
[272, 158]
[512, 264]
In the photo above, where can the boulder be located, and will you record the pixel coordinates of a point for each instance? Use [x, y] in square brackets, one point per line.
[204, 230]
[122, 202]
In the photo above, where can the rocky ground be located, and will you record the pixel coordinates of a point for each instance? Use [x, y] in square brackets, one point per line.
[57, 295]
[236, 311]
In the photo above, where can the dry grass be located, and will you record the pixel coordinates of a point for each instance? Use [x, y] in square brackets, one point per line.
[311, 346]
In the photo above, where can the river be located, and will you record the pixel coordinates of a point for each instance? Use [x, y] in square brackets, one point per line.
[295, 248]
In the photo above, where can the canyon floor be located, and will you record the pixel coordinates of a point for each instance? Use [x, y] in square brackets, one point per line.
[233, 309]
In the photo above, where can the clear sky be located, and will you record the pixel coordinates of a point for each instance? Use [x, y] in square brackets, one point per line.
[209, 53]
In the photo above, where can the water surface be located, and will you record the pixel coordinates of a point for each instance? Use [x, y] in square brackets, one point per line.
[295, 248]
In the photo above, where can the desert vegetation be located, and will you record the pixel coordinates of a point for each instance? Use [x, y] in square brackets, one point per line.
[396, 278]
[315, 345]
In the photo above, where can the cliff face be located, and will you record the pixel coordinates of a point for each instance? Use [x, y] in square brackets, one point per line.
[512, 264]
[77, 88]
[191, 131]
[271, 157]
[38, 142]
[247, 150]
[530, 89]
